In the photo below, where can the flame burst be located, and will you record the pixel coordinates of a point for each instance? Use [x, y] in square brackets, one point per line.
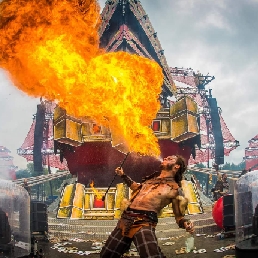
[51, 49]
[96, 192]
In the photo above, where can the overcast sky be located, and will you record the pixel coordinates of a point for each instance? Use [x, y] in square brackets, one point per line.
[215, 37]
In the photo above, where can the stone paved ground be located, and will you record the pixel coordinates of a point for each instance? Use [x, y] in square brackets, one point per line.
[168, 247]
[171, 238]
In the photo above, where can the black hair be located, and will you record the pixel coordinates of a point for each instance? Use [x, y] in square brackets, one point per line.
[179, 174]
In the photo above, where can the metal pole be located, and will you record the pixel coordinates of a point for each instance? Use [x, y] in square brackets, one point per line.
[207, 184]
[208, 156]
[104, 196]
[208, 135]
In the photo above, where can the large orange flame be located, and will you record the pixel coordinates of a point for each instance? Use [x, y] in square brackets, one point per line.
[51, 49]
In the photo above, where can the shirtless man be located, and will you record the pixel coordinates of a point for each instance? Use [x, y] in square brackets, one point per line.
[138, 221]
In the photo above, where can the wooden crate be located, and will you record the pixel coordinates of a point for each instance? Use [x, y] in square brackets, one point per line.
[183, 127]
[67, 129]
[184, 124]
[183, 105]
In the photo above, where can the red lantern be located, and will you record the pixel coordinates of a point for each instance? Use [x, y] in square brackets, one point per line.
[217, 212]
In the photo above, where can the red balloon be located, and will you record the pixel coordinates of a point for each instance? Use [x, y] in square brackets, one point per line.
[217, 212]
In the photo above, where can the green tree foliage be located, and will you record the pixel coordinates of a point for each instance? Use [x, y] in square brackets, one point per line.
[200, 165]
[232, 166]
[22, 173]
[227, 166]
[28, 172]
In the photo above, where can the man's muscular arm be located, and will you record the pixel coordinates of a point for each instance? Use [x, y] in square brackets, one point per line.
[129, 182]
[180, 220]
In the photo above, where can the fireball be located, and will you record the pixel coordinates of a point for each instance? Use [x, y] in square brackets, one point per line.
[50, 48]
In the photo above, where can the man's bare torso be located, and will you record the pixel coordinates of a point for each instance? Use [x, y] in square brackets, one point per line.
[155, 194]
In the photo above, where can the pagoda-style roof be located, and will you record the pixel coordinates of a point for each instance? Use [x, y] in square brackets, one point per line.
[126, 27]
[7, 167]
[251, 154]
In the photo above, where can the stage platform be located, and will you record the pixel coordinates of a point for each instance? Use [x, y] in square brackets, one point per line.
[85, 237]
[100, 229]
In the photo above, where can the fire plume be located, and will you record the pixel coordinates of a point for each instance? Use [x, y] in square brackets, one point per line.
[96, 192]
[51, 49]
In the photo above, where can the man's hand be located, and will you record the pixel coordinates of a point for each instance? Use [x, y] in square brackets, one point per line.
[119, 171]
[189, 227]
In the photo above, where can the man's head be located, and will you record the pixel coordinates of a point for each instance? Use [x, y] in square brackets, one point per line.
[175, 163]
[169, 163]
[224, 176]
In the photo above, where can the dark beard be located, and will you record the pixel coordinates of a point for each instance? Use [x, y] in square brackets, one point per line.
[166, 167]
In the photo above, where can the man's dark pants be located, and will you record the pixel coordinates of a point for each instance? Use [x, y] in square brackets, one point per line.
[144, 239]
